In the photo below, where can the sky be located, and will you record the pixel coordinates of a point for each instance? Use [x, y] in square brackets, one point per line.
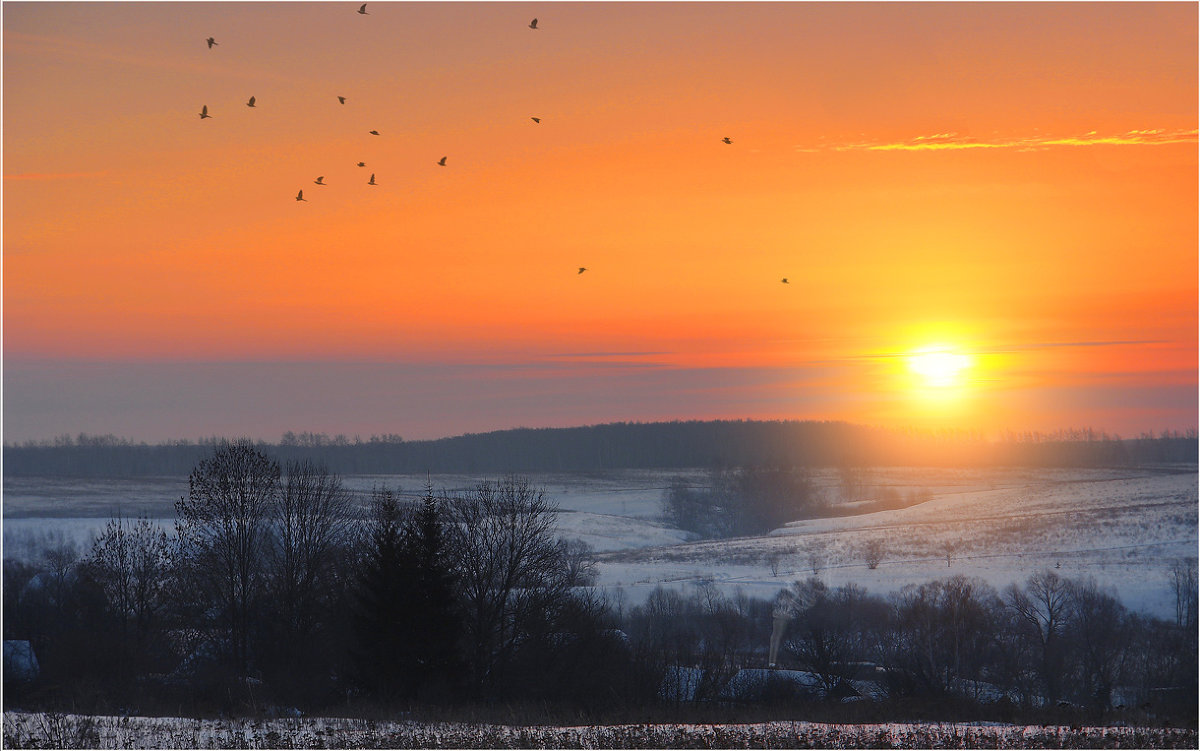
[986, 214]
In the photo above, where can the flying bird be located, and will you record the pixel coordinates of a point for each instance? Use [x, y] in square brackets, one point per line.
[784, 280]
[342, 99]
[204, 112]
[533, 24]
[211, 42]
[362, 164]
[373, 132]
[362, 9]
[372, 180]
[726, 140]
[536, 119]
[581, 270]
[442, 162]
[319, 180]
[300, 197]
[250, 103]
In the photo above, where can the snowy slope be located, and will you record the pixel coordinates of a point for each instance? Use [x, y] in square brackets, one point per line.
[1121, 527]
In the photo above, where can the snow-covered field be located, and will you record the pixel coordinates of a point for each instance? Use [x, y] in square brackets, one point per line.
[1122, 527]
[35, 730]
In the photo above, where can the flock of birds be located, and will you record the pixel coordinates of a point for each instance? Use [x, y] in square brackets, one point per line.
[362, 10]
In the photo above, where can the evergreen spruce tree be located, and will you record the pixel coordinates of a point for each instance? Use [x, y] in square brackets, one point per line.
[381, 600]
[408, 623]
[434, 620]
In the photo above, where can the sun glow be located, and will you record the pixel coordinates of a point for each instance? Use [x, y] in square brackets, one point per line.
[938, 368]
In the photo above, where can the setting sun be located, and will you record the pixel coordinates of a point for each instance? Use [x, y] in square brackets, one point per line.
[938, 368]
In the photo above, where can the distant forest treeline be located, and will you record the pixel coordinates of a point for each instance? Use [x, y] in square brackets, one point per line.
[656, 445]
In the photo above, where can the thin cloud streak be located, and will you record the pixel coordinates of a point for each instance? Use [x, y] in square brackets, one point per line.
[610, 354]
[955, 141]
[1053, 345]
[1010, 348]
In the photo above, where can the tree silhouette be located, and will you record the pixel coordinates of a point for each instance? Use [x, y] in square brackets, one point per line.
[223, 533]
[380, 598]
[511, 570]
[432, 624]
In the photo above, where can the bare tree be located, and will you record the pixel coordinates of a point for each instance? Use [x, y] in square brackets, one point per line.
[1101, 633]
[1183, 584]
[873, 553]
[1042, 608]
[774, 559]
[309, 527]
[223, 534]
[948, 551]
[943, 630]
[830, 635]
[310, 521]
[746, 500]
[61, 558]
[131, 561]
[816, 558]
[511, 570]
[580, 561]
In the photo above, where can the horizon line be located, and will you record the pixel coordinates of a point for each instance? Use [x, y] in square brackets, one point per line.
[1085, 434]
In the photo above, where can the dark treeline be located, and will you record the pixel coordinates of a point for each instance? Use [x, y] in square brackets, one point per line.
[270, 596]
[619, 446]
[742, 501]
[1051, 648]
[272, 590]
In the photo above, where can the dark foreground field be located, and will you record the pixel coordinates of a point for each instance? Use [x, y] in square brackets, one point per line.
[39, 730]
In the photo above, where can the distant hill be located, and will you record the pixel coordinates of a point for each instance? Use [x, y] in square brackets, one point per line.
[654, 445]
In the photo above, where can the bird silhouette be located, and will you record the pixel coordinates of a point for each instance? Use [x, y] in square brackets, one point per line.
[726, 140]
[204, 112]
[581, 270]
[536, 119]
[372, 180]
[319, 180]
[300, 197]
[784, 280]
[342, 99]
[362, 9]
[362, 164]
[373, 132]
[533, 24]
[442, 162]
[250, 103]
[211, 42]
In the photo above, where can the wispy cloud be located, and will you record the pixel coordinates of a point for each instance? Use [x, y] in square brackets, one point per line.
[1055, 345]
[956, 141]
[610, 354]
[1029, 347]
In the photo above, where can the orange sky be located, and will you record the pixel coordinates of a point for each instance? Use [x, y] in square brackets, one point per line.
[1017, 182]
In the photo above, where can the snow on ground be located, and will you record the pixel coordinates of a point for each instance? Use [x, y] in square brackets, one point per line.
[63, 497]
[606, 532]
[26, 538]
[634, 493]
[1121, 526]
[35, 730]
